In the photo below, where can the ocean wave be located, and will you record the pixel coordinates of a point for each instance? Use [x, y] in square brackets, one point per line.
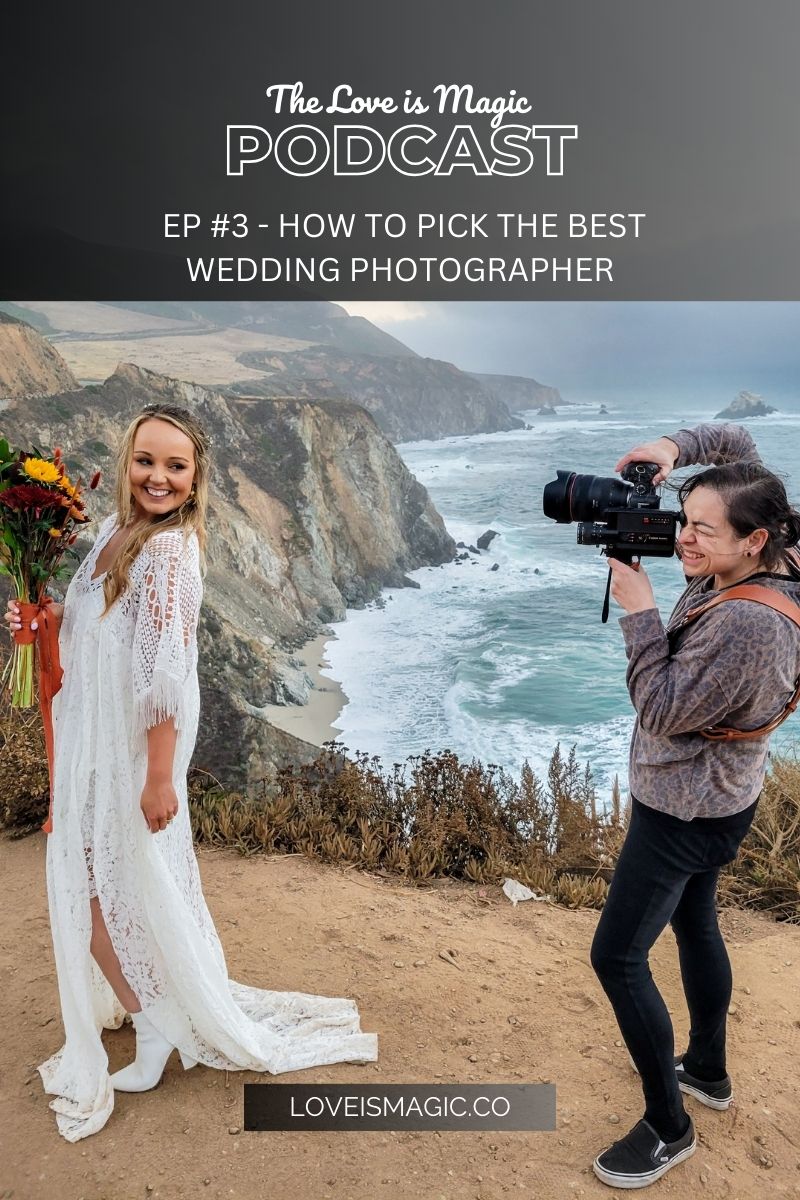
[502, 664]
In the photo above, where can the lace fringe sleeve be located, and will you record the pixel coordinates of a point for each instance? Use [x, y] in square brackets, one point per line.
[164, 646]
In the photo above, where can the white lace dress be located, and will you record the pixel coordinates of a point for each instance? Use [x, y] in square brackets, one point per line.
[122, 675]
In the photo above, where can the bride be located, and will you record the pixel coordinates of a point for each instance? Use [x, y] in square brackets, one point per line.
[131, 930]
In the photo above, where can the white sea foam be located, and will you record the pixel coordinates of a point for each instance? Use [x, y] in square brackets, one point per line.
[500, 665]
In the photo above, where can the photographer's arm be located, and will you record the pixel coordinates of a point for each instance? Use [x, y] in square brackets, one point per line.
[691, 690]
[714, 445]
[706, 446]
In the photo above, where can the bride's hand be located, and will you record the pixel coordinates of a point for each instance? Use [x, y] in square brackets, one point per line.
[664, 452]
[159, 804]
[11, 615]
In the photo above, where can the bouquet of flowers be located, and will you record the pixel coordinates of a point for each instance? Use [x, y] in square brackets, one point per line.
[40, 512]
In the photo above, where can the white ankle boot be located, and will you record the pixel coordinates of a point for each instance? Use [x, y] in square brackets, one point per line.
[152, 1052]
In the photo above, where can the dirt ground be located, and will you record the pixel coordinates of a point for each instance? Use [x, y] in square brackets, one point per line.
[519, 1004]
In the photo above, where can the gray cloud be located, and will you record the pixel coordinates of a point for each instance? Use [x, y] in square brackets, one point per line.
[616, 350]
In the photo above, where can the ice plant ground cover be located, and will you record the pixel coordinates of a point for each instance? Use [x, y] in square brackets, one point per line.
[40, 512]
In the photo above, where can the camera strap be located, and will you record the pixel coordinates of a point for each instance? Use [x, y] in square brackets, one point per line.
[772, 599]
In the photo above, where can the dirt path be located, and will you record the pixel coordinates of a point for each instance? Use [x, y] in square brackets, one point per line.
[525, 1004]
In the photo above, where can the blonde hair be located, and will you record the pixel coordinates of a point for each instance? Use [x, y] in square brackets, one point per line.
[191, 516]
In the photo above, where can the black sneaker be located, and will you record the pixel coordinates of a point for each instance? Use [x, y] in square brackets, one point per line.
[714, 1095]
[717, 1095]
[640, 1158]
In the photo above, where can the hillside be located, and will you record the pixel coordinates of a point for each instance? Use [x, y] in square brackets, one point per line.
[311, 349]
[410, 398]
[518, 392]
[29, 365]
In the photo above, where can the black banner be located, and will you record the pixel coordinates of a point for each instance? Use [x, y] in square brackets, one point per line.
[450, 151]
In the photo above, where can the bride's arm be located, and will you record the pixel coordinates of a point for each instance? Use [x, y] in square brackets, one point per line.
[159, 800]
[164, 635]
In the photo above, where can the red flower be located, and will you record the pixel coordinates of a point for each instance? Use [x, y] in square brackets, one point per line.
[98, 475]
[29, 495]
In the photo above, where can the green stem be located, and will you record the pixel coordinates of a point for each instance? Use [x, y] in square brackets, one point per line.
[22, 693]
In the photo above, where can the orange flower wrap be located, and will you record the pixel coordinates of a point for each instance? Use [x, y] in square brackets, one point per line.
[50, 672]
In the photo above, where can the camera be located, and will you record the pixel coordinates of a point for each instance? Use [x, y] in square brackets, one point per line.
[623, 516]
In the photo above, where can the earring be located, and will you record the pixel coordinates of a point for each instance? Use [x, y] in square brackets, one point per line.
[748, 553]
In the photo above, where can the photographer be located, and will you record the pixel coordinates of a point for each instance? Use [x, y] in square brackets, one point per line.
[693, 797]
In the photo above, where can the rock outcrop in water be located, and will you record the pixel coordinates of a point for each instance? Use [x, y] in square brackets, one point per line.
[746, 404]
[313, 510]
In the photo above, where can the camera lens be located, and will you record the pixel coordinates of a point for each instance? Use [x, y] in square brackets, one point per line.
[556, 503]
[573, 497]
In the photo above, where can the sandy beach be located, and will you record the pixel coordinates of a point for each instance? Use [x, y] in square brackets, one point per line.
[313, 721]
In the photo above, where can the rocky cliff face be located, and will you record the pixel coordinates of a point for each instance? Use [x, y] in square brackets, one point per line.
[312, 511]
[29, 366]
[409, 397]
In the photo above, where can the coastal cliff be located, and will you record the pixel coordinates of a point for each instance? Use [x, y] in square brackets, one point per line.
[312, 511]
[518, 392]
[29, 366]
[311, 349]
[410, 397]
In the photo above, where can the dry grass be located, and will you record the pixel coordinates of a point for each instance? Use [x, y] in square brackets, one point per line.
[431, 816]
[766, 873]
[437, 816]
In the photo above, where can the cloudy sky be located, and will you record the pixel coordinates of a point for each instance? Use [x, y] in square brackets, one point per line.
[612, 350]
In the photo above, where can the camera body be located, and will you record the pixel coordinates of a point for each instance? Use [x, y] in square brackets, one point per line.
[624, 517]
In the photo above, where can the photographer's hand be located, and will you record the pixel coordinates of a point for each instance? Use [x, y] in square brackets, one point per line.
[631, 588]
[664, 452]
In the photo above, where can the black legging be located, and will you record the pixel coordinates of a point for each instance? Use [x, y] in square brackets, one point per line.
[667, 872]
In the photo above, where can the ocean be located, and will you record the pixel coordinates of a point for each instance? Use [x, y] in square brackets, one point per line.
[502, 664]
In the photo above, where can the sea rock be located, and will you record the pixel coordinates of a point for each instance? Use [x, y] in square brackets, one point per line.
[495, 567]
[746, 404]
[486, 538]
[293, 685]
[547, 410]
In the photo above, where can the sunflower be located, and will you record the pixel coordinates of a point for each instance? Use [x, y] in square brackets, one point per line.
[41, 470]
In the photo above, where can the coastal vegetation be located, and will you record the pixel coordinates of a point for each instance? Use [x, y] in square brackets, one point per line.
[436, 816]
